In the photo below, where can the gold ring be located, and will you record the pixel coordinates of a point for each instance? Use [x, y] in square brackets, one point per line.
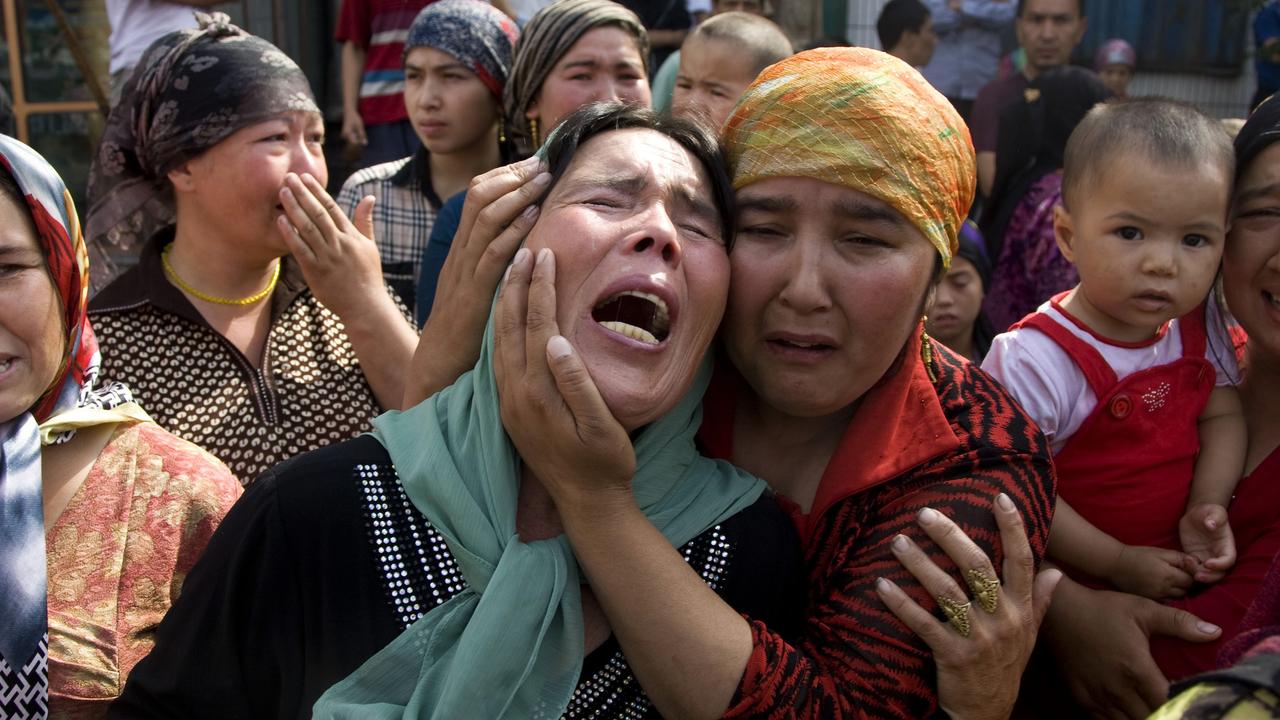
[957, 614]
[986, 589]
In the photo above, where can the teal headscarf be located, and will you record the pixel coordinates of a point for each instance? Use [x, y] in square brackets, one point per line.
[511, 644]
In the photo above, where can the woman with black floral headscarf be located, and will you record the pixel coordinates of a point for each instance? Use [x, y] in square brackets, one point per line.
[255, 298]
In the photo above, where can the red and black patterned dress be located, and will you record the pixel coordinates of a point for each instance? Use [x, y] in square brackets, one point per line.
[951, 445]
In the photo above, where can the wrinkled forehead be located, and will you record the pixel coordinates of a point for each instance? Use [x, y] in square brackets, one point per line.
[638, 159]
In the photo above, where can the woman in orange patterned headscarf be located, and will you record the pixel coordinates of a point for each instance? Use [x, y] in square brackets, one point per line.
[852, 178]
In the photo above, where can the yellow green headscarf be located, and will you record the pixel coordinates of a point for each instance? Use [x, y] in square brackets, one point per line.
[865, 120]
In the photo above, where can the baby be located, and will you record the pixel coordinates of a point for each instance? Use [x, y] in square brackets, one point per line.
[1130, 374]
[719, 59]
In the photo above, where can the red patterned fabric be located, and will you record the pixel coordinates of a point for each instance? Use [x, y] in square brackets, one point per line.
[118, 555]
[951, 445]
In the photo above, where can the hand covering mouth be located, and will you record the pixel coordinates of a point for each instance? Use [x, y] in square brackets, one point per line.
[635, 314]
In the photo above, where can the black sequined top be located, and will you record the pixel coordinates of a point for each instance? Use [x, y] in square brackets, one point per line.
[324, 561]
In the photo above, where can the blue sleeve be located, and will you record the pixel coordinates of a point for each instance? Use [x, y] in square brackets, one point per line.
[989, 13]
[1267, 24]
[945, 20]
[437, 250]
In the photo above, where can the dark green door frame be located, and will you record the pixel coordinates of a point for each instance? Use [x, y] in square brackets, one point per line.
[835, 18]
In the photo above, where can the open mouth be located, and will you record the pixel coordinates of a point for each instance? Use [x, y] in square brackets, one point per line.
[1272, 299]
[638, 315]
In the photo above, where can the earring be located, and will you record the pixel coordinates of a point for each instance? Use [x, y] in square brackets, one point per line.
[533, 132]
[502, 133]
[926, 349]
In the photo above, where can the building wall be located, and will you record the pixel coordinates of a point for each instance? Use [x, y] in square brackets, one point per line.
[1220, 97]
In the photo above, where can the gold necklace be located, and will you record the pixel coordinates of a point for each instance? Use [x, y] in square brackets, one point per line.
[173, 275]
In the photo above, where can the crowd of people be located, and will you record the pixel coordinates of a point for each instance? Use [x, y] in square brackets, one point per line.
[762, 389]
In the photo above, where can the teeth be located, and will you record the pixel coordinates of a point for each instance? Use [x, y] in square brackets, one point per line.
[661, 317]
[630, 331]
[5, 365]
[804, 345]
[1273, 299]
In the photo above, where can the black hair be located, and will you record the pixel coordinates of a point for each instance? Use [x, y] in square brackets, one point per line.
[1258, 133]
[598, 118]
[1158, 129]
[899, 17]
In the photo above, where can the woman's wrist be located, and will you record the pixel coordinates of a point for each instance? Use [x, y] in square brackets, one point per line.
[592, 505]
[367, 312]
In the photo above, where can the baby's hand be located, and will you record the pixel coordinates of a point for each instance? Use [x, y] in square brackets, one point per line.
[1152, 572]
[1206, 536]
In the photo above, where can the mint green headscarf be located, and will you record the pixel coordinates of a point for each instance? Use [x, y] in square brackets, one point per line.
[511, 644]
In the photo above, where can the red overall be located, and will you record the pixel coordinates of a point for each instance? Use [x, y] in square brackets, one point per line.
[1128, 469]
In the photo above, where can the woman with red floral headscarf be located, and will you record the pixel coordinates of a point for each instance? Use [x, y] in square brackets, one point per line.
[101, 512]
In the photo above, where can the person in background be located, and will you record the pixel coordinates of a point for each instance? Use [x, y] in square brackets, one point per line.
[572, 53]
[968, 49]
[956, 318]
[1048, 31]
[1018, 221]
[720, 58]
[664, 79]
[666, 21]
[104, 513]
[1115, 63]
[135, 24]
[906, 32]
[457, 56]
[372, 77]
[258, 303]
[1266, 38]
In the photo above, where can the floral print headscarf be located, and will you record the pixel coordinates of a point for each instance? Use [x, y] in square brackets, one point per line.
[192, 90]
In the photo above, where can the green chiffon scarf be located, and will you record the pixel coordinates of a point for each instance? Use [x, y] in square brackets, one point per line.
[511, 644]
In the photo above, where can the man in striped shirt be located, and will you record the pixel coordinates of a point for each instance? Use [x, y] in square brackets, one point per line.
[372, 34]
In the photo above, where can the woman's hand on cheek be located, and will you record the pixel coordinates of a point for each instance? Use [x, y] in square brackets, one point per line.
[550, 407]
[496, 218]
[1101, 641]
[338, 258]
